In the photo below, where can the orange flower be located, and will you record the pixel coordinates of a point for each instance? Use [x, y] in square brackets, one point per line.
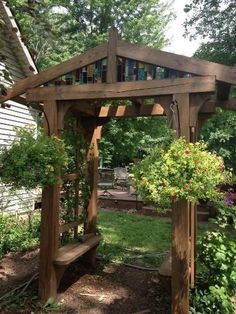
[186, 186]
[187, 151]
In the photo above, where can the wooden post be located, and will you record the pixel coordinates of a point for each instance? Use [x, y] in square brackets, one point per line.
[180, 229]
[180, 258]
[49, 220]
[91, 129]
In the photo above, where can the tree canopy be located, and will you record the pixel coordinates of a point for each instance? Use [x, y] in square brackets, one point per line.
[215, 21]
[55, 30]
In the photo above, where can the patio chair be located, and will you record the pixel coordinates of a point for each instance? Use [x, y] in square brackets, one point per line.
[121, 178]
[106, 181]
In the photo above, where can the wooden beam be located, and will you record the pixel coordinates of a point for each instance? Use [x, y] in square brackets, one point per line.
[91, 132]
[76, 62]
[184, 114]
[124, 89]
[197, 101]
[84, 107]
[49, 221]
[180, 258]
[177, 62]
[130, 111]
[111, 61]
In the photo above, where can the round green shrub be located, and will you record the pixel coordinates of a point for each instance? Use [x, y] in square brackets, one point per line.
[33, 160]
[180, 171]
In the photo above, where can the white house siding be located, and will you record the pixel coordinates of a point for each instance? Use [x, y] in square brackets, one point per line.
[16, 115]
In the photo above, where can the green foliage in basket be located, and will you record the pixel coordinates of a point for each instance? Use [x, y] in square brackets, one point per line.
[179, 171]
[32, 160]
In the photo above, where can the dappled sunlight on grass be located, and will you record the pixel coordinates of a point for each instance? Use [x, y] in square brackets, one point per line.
[126, 235]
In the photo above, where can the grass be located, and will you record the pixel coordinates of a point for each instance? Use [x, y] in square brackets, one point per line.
[126, 235]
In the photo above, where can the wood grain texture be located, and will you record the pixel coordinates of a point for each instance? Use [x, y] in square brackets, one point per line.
[193, 238]
[130, 111]
[76, 62]
[184, 114]
[70, 252]
[123, 89]
[49, 221]
[70, 225]
[93, 133]
[180, 258]
[170, 60]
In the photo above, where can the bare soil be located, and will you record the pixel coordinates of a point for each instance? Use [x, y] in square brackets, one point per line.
[110, 288]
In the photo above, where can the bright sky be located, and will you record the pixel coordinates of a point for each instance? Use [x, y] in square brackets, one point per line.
[179, 44]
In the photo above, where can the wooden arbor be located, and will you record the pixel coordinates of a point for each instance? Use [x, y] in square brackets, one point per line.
[185, 89]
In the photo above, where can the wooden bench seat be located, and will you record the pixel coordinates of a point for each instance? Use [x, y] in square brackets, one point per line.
[70, 252]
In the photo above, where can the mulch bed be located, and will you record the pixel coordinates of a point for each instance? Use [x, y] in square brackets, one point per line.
[110, 288]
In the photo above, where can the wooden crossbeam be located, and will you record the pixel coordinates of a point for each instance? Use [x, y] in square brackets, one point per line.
[123, 89]
[130, 111]
[76, 62]
[177, 62]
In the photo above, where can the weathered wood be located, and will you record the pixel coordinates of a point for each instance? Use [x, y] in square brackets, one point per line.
[193, 231]
[197, 101]
[123, 89]
[49, 222]
[70, 225]
[76, 62]
[111, 59]
[177, 62]
[130, 111]
[92, 160]
[183, 114]
[81, 106]
[70, 252]
[180, 258]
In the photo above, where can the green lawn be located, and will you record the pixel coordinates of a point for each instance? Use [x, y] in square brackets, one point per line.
[125, 235]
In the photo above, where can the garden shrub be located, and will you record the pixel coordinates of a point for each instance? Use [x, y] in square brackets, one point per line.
[179, 171]
[217, 258]
[33, 160]
[17, 234]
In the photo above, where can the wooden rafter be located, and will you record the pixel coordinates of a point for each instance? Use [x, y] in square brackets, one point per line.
[116, 47]
[177, 62]
[123, 89]
[76, 62]
[130, 111]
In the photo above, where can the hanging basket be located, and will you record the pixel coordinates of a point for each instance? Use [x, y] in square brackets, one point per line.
[33, 160]
[180, 171]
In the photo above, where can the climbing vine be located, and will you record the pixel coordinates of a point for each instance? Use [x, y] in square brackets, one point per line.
[76, 192]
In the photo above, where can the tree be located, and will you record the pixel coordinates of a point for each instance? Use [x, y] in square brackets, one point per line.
[220, 133]
[214, 20]
[58, 29]
[125, 140]
[64, 28]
